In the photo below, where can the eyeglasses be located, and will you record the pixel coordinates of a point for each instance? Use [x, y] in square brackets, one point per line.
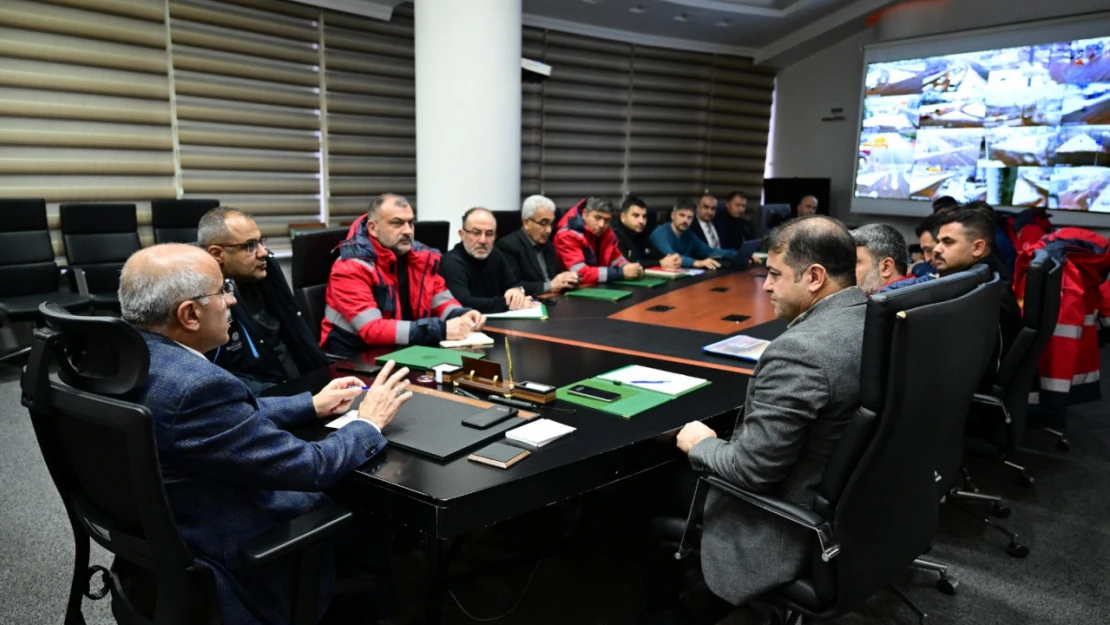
[250, 246]
[545, 224]
[489, 234]
[224, 291]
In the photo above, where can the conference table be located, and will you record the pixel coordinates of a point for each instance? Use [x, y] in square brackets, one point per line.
[663, 327]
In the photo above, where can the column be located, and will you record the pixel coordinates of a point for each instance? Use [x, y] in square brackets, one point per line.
[467, 107]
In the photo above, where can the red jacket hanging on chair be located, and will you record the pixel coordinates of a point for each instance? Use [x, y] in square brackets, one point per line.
[1069, 367]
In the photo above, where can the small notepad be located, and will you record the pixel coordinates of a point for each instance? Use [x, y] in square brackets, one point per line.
[539, 432]
[475, 339]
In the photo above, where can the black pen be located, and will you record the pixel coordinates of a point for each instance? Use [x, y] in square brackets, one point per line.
[523, 404]
[459, 391]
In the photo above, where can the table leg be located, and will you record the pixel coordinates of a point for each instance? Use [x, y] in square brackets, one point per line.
[433, 581]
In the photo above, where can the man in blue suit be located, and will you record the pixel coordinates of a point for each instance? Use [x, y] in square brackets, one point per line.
[231, 469]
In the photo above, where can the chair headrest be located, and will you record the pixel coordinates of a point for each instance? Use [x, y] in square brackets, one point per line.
[879, 324]
[1043, 275]
[102, 355]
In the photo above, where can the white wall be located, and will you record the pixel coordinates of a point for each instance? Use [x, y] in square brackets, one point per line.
[805, 146]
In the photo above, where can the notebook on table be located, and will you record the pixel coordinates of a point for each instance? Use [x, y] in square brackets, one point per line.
[739, 346]
[647, 283]
[421, 357]
[610, 295]
[666, 274]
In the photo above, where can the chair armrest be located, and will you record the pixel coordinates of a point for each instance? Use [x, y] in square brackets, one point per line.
[81, 280]
[991, 400]
[294, 535]
[785, 510]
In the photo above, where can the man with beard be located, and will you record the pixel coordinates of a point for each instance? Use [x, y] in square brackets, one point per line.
[385, 288]
[633, 242]
[270, 342]
[476, 273]
[676, 238]
[880, 257]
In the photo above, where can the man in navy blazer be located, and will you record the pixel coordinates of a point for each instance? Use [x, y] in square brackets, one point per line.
[231, 469]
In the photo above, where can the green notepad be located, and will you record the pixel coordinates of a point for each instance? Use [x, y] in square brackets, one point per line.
[420, 357]
[649, 283]
[611, 295]
[633, 400]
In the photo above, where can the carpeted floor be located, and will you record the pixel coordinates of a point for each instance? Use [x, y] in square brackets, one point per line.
[1063, 518]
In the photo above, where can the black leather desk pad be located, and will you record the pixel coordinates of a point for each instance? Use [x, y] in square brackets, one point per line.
[432, 426]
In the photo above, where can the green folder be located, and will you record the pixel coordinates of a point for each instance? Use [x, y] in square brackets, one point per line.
[633, 400]
[611, 295]
[649, 283]
[422, 358]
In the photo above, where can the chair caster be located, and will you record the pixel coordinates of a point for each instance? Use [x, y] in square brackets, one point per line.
[1000, 511]
[1017, 549]
[947, 586]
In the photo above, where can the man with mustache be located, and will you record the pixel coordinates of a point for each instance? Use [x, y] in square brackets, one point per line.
[477, 274]
[676, 238]
[270, 342]
[385, 288]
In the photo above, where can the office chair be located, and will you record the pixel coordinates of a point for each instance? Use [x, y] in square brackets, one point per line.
[508, 222]
[175, 221]
[101, 454]
[434, 234]
[28, 274]
[771, 216]
[98, 239]
[876, 509]
[1000, 412]
[313, 255]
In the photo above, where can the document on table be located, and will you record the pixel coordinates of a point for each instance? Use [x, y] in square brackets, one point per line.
[657, 380]
[533, 312]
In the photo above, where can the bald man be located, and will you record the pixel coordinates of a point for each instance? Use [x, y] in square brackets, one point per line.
[807, 206]
[231, 469]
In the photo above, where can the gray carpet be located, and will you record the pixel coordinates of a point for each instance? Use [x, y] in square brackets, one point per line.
[1063, 518]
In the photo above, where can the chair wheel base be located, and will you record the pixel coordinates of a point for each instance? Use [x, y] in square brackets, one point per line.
[1063, 445]
[999, 511]
[947, 586]
[1024, 481]
[1017, 549]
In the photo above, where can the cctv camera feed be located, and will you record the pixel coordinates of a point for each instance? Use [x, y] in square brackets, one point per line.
[1025, 126]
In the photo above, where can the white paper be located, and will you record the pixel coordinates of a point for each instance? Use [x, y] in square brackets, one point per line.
[653, 379]
[533, 312]
[475, 339]
[539, 432]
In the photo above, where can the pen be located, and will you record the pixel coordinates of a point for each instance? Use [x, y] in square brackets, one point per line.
[511, 402]
[459, 391]
[648, 382]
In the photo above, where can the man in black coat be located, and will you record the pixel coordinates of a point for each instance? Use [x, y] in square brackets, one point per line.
[270, 341]
[529, 253]
[633, 239]
[476, 273]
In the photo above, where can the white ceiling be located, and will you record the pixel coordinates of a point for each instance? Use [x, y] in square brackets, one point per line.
[768, 30]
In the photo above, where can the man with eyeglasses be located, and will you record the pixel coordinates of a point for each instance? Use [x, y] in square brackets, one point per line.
[385, 288]
[529, 253]
[270, 342]
[476, 273]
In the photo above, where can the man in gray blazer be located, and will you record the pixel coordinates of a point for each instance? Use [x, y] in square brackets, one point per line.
[804, 389]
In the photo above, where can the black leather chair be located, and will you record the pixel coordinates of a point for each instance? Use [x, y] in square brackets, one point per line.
[101, 454]
[313, 255]
[999, 414]
[98, 240]
[508, 222]
[435, 234]
[28, 274]
[876, 508]
[175, 221]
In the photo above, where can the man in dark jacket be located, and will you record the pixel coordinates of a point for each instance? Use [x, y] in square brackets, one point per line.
[966, 238]
[732, 224]
[633, 241]
[270, 340]
[530, 254]
[476, 273]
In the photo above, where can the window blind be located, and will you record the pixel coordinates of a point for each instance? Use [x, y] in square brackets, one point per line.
[371, 110]
[739, 124]
[247, 86]
[531, 117]
[84, 100]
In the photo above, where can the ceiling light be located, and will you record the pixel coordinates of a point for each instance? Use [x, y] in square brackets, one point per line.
[639, 8]
[682, 17]
[724, 23]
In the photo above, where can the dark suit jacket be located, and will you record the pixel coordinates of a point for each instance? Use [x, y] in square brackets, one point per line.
[636, 247]
[232, 471]
[520, 253]
[804, 389]
[478, 284]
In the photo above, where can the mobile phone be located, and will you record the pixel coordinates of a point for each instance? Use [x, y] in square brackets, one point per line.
[489, 417]
[589, 392]
[353, 366]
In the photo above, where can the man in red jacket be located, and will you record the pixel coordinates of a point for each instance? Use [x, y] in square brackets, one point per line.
[587, 246]
[385, 288]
